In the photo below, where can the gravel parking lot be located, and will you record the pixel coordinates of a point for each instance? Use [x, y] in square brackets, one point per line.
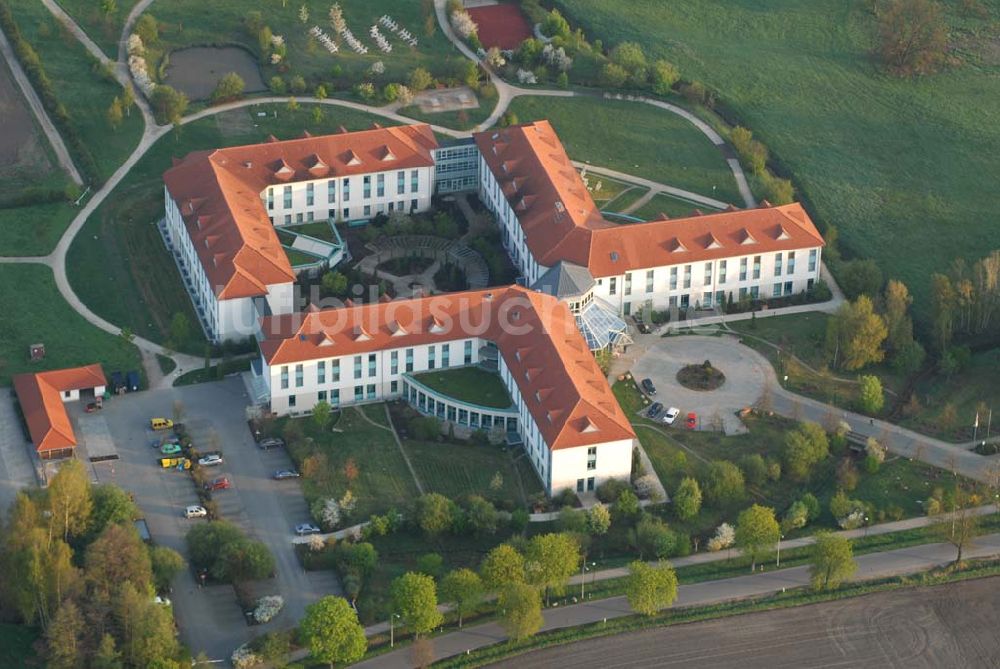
[16, 470]
[210, 619]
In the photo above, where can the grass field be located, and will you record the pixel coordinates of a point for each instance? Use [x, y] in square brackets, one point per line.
[383, 480]
[457, 469]
[103, 28]
[671, 206]
[118, 265]
[624, 199]
[33, 230]
[69, 340]
[16, 650]
[975, 389]
[83, 90]
[470, 384]
[636, 139]
[193, 22]
[893, 163]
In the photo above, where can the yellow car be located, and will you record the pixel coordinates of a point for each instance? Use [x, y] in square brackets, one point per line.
[161, 423]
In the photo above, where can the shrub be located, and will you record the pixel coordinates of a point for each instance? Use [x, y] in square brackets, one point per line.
[812, 506]
[627, 503]
[609, 491]
[431, 564]
[421, 79]
[230, 87]
[598, 519]
[870, 398]
[687, 499]
[796, 517]
[647, 487]
[724, 483]
[754, 469]
[572, 520]
[664, 76]
[425, 428]
[725, 536]
[653, 538]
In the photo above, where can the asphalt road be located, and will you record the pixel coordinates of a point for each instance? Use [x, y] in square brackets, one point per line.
[210, 619]
[944, 626]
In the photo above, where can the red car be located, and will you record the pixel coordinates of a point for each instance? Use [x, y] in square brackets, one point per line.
[92, 407]
[692, 421]
[221, 483]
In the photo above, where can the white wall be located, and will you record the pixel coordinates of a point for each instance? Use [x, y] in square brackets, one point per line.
[511, 233]
[614, 460]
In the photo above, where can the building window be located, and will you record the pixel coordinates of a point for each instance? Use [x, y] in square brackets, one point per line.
[743, 293]
[359, 393]
[287, 197]
[468, 352]
[687, 276]
[430, 357]
[371, 364]
[791, 262]
[414, 181]
[380, 185]
[409, 359]
[335, 397]
[754, 292]
[413, 205]
[394, 363]
[370, 391]
[347, 213]
[368, 210]
[357, 367]
[335, 370]
[291, 401]
[347, 190]
[708, 274]
[288, 219]
[777, 264]
[445, 355]
[673, 278]
[706, 299]
[400, 182]
[309, 217]
[613, 285]
[321, 396]
[722, 271]
[270, 198]
[809, 284]
[756, 267]
[685, 301]
[579, 485]
[627, 308]
[590, 484]
[321, 372]
[394, 387]
[628, 283]
[788, 288]
[776, 290]
[298, 376]
[812, 260]
[310, 194]
[298, 217]
[284, 377]
[331, 191]
[743, 269]
[366, 183]
[649, 281]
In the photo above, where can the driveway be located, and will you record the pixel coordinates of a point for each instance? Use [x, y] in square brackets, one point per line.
[746, 375]
[16, 469]
[210, 619]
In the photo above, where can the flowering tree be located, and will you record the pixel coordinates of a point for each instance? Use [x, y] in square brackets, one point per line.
[463, 24]
[337, 21]
[725, 536]
[303, 13]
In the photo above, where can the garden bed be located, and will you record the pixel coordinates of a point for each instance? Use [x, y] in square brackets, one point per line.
[196, 71]
[701, 377]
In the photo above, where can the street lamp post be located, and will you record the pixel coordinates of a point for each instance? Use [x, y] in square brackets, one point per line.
[392, 635]
[584, 568]
[866, 527]
[778, 561]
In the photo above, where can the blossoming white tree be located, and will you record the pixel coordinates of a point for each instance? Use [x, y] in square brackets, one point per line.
[463, 24]
[724, 537]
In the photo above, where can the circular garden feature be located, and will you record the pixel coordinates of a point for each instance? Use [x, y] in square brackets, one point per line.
[700, 377]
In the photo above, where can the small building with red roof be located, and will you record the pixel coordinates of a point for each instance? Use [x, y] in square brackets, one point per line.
[42, 397]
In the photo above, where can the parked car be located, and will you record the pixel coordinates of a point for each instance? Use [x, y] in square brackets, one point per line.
[92, 407]
[132, 380]
[671, 415]
[161, 600]
[195, 511]
[161, 423]
[285, 474]
[170, 449]
[303, 529]
[221, 483]
[270, 442]
[692, 421]
[654, 410]
[648, 387]
[210, 460]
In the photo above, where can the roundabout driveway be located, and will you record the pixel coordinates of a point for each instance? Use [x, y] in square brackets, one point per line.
[747, 374]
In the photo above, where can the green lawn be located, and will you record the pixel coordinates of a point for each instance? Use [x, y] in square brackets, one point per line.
[193, 22]
[103, 28]
[637, 139]
[213, 373]
[318, 229]
[118, 264]
[905, 168]
[16, 650]
[671, 206]
[383, 480]
[974, 389]
[38, 313]
[297, 258]
[457, 469]
[80, 87]
[469, 384]
[624, 199]
[35, 229]
[609, 188]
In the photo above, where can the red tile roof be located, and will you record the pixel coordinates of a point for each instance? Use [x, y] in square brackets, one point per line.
[536, 334]
[40, 396]
[218, 193]
[561, 222]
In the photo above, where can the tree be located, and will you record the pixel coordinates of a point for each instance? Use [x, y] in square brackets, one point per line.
[117, 556]
[414, 596]
[463, 589]
[687, 499]
[420, 79]
[629, 56]
[555, 25]
[292, 105]
[724, 483]
[501, 566]
[482, 515]
[230, 87]
[572, 520]
[63, 637]
[106, 656]
[434, 513]
[804, 448]
[276, 85]
[613, 75]
[855, 335]
[147, 29]
[665, 74]
[332, 632]
[334, 283]
[69, 500]
[146, 629]
[109, 7]
[115, 113]
[653, 538]
[598, 519]
[861, 277]
[166, 563]
[128, 99]
[243, 560]
[550, 560]
[832, 561]
[627, 504]
[111, 506]
[180, 328]
[898, 323]
[519, 609]
[961, 525]
[754, 469]
[912, 36]
[321, 414]
[206, 540]
[870, 397]
[650, 588]
[168, 104]
[757, 532]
